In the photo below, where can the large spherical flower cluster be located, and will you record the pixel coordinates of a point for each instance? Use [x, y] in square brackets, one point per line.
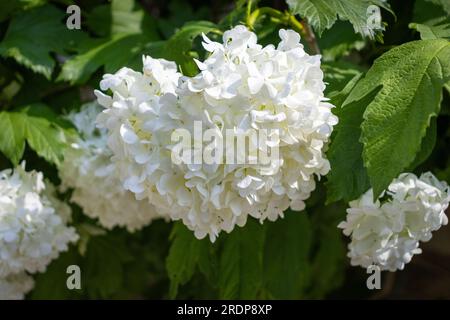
[241, 86]
[88, 170]
[387, 232]
[33, 225]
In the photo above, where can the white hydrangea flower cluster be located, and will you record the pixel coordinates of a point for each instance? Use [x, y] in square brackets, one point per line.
[241, 85]
[387, 232]
[88, 170]
[33, 227]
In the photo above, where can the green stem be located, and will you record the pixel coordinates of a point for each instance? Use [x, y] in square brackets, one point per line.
[287, 19]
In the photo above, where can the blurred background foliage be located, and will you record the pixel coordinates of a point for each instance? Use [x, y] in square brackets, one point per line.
[47, 70]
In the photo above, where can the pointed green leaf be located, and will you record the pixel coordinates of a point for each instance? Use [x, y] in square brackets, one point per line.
[412, 76]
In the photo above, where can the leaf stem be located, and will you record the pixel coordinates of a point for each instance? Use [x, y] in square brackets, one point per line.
[310, 37]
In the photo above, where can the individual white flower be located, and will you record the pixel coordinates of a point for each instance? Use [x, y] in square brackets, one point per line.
[387, 232]
[241, 86]
[33, 222]
[15, 286]
[88, 170]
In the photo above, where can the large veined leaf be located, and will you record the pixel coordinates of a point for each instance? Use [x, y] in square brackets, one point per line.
[395, 122]
[322, 14]
[36, 125]
[34, 34]
[241, 262]
[286, 256]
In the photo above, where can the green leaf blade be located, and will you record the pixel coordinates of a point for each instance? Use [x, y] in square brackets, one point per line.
[412, 76]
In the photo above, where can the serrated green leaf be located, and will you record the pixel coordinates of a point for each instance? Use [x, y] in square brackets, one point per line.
[286, 256]
[348, 177]
[34, 34]
[434, 29]
[241, 265]
[322, 14]
[44, 136]
[412, 76]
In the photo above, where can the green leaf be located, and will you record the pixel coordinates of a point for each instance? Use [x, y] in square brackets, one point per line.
[177, 48]
[126, 49]
[433, 29]
[8, 8]
[119, 51]
[348, 178]
[340, 78]
[181, 12]
[129, 17]
[121, 16]
[322, 14]
[241, 262]
[425, 11]
[12, 139]
[339, 42]
[37, 125]
[286, 256]
[34, 34]
[395, 122]
[183, 257]
[427, 146]
[445, 4]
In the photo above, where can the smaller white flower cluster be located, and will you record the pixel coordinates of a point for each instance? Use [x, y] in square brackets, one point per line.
[387, 232]
[87, 168]
[33, 228]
